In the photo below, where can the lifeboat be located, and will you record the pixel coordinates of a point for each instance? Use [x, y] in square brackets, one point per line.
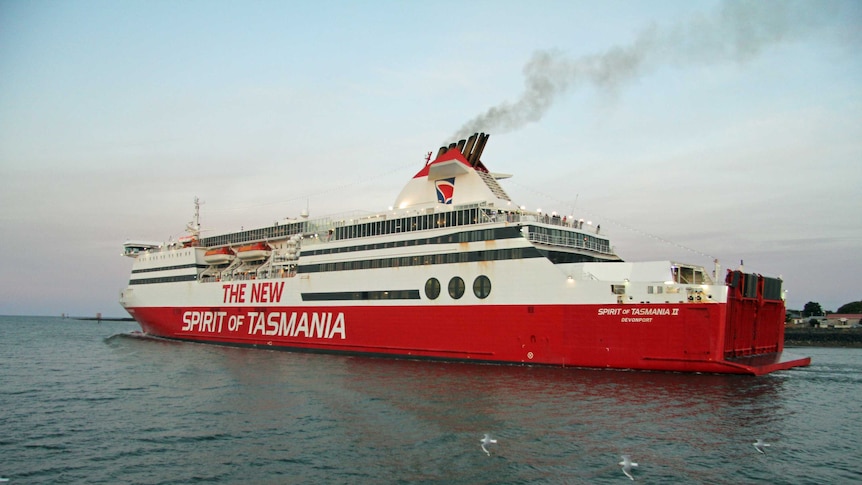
[254, 252]
[219, 255]
[188, 241]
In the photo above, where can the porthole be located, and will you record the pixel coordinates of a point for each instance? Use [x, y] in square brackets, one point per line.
[482, 287]
[432, 288]
[456, 288]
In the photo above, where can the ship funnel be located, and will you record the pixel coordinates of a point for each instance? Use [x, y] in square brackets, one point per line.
[471, 148]
[475, 156]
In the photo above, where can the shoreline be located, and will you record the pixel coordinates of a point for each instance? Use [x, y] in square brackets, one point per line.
[103, 319]
[822, 337]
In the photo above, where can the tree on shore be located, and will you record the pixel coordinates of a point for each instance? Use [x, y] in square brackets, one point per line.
[852, 307]
[812, 309]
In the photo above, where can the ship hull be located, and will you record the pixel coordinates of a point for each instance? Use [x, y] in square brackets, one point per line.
[683, 338]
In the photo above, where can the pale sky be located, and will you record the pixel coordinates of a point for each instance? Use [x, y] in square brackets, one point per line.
[690, 130]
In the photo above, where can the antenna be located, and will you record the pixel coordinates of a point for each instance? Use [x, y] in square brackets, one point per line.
[194, 227]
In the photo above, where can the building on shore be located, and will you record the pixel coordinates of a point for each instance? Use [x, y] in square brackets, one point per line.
[843, 320]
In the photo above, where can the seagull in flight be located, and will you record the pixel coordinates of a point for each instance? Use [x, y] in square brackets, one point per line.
[760, 444]
[487, 440]
[627, 465]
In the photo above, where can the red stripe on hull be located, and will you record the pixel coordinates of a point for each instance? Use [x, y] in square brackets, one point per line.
[686, 338]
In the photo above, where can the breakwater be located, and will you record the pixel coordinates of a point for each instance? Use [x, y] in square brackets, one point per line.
[822, 337]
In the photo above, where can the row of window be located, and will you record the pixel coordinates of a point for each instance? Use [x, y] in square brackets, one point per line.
[556, 257]
[164, 279]
[456, 287]
[388, 226]
[559, 257]
[562, 237]
[459, 237]
[262, 234]
[362, 295]
[460, 217]
[153, 254]
[168, 268]
[425, 259]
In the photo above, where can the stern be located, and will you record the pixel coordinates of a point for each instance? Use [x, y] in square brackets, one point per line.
[754, 325]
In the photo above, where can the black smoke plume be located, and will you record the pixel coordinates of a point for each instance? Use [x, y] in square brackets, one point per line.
[737, 31]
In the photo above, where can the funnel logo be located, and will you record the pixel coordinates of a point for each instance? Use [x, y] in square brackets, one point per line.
[445, 190]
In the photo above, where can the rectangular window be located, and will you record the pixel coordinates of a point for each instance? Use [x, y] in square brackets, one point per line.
[363, 295]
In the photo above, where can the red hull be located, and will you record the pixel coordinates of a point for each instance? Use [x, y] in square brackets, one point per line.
[686, 338]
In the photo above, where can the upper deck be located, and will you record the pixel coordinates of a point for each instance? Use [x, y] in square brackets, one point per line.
[541, 229]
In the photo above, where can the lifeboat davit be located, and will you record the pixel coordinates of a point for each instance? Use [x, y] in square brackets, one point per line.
[219, 255]
[254, 252]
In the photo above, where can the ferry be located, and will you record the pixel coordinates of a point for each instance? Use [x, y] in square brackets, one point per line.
[456, 271]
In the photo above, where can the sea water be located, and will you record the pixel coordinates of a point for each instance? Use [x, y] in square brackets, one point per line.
[90, 402]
